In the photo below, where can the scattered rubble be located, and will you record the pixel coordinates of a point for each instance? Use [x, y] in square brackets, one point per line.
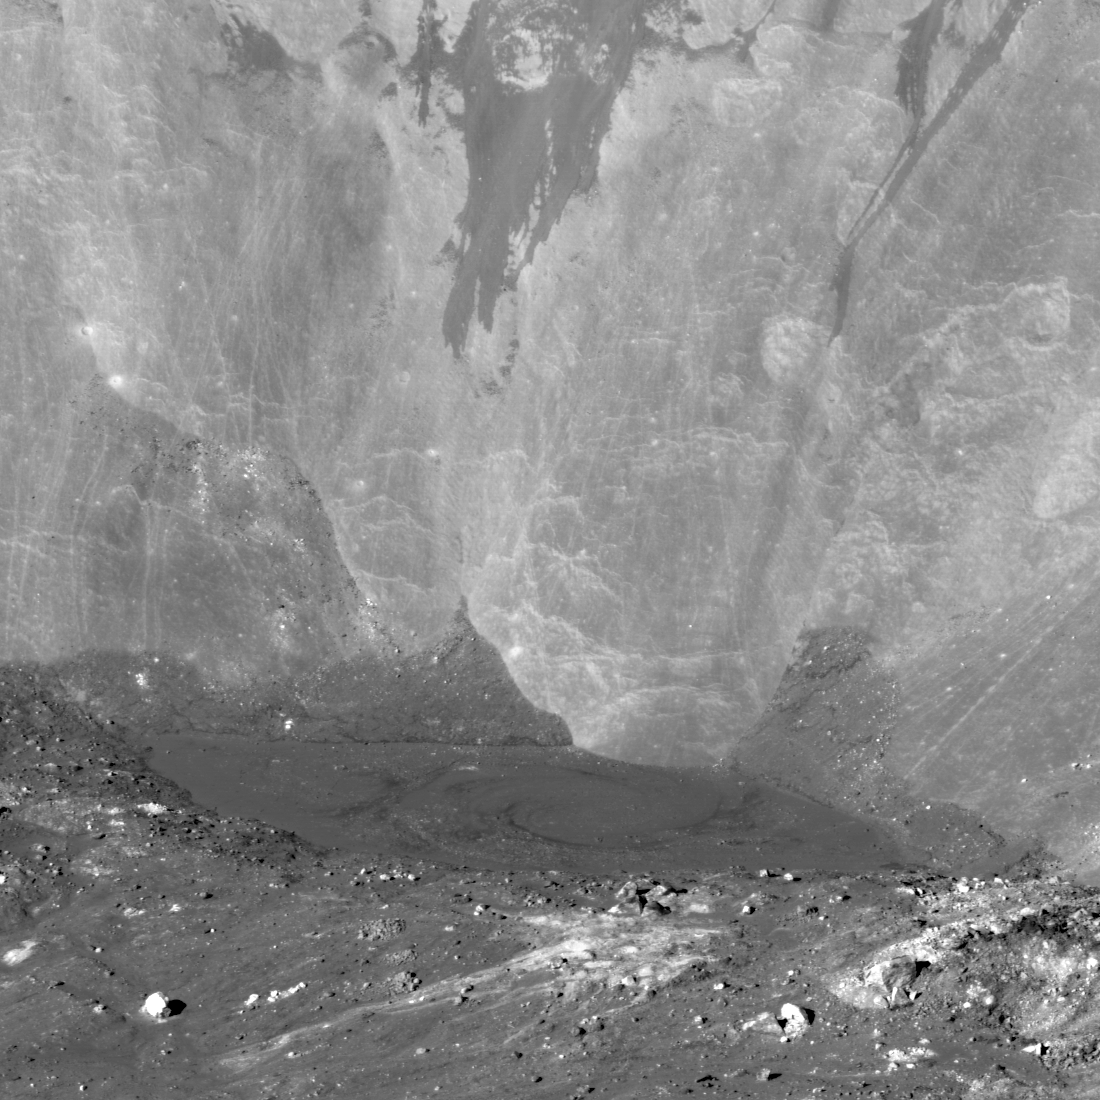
[644, 896]
[282, 994]
[890, 981]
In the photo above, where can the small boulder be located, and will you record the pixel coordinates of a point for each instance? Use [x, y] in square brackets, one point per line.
[157, 1006]
[659, 900]
[794, 1019]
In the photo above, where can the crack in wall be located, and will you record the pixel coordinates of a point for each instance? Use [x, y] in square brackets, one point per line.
[912, 90]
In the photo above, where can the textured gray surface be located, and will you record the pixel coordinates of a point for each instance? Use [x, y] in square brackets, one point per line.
[762, 317]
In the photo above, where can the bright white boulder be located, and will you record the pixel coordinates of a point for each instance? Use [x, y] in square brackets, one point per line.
[794, 1018]
[156, 1006]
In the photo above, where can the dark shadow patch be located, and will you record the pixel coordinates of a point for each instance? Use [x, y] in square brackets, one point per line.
[429, 50]
[902, 403]
[914, 56]
[829, 13]
[510, 359]
[253, 49]
[842, 285]
[538, 86]
[745, 40]
[516, 806]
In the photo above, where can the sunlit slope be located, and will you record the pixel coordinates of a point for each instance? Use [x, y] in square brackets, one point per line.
[659, 332]
[1003, 719]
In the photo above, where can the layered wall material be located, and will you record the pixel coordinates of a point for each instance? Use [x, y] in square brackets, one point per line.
[661, 332]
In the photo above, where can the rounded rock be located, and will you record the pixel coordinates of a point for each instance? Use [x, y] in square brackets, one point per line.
[156, 1006]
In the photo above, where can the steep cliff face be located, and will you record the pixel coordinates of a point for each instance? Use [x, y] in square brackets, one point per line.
[660, 331]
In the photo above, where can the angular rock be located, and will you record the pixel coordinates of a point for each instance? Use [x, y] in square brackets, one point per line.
[794, 1019]
[892, 978]
[765, 1023]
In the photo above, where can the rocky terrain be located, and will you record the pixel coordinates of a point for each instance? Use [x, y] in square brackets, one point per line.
[553, 970]
[483, 480]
